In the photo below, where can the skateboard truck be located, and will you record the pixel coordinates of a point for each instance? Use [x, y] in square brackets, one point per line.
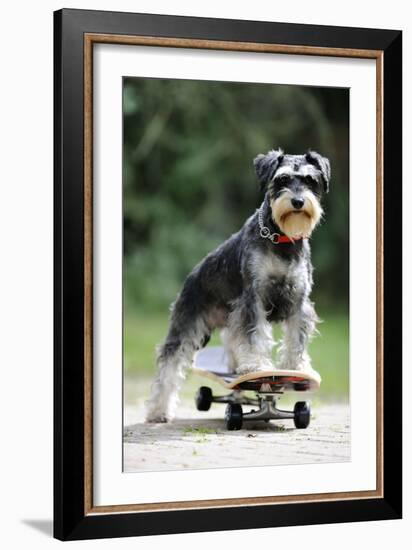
[212, 363]
[267, 410]
[234, 415]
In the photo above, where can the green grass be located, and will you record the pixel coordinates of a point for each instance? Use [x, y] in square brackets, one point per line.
[142, 333]
[330, 355]
[329, 350]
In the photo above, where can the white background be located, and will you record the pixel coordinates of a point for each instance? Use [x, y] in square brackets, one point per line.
[26, 274]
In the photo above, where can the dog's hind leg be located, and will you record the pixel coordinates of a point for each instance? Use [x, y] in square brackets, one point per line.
[174, 358]
[171, 366]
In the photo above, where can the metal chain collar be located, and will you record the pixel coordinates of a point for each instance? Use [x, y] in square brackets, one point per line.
[265, 231]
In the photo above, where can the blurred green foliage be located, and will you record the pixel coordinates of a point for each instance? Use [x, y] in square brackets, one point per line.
[189, 180]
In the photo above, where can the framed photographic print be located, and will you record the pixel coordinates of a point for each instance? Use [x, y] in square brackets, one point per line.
[227, 274]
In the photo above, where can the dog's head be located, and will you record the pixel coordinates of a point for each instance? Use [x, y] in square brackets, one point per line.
[294, 184]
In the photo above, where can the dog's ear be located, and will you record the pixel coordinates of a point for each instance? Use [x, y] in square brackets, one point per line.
[266, 166]
[323, 165]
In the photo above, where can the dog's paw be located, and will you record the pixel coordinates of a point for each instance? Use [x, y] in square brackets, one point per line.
[301, 364]
[255, 366]
[155, 414]
[244, 369]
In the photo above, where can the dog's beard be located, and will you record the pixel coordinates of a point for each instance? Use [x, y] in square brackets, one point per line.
[296, 223]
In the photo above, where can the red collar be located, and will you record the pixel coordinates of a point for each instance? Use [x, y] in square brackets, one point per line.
[277, 239]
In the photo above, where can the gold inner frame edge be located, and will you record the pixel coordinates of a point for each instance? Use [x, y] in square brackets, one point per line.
[89, 40]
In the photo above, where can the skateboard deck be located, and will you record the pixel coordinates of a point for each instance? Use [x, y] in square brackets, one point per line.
[212, 363]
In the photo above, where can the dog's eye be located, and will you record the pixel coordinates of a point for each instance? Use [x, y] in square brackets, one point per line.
[283, 180]
[311, 182]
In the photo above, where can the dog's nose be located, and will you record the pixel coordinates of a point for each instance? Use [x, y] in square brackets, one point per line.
[297, 202]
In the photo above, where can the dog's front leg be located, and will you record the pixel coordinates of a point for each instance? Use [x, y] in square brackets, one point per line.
[250, 334]
[227, 341]
[297, 331]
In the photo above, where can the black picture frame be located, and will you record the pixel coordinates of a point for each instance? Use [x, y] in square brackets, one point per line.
[71, 519]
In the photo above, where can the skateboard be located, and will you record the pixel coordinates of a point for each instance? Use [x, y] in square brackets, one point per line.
[212, 363]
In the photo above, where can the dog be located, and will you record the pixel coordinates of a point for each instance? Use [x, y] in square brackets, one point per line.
[260, 275]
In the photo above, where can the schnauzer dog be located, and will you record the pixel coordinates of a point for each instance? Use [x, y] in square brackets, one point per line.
[261, 274]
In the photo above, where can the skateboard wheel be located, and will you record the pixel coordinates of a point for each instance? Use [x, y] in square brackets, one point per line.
[302, 414]
[203, 398]
[233, 416]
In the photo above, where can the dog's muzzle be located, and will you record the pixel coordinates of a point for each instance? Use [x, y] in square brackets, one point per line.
[296, 215]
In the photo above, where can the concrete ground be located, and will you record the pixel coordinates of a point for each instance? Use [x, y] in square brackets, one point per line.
[196, 440]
